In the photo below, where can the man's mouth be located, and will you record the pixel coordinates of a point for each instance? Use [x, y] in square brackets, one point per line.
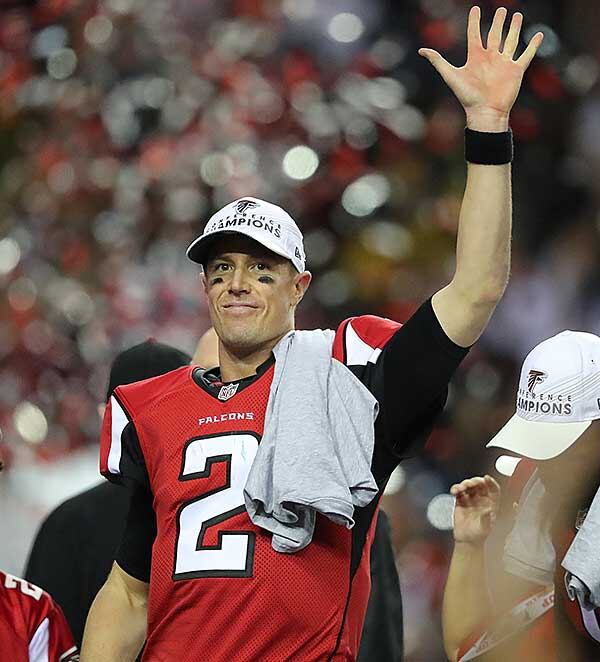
[239, 308]
[240, 304]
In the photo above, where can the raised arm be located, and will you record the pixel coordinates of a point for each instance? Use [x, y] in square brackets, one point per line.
[487, 87]
[116, 625]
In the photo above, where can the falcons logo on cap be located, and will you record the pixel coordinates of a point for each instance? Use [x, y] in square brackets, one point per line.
[534, 378]
[242, 205]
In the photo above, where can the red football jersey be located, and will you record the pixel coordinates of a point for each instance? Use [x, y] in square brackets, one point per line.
[32, 626]
[218, 590]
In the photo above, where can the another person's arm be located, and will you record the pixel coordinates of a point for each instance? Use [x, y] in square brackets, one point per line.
[466, 599]
[487, 87]
[116, 625]
[472, 606]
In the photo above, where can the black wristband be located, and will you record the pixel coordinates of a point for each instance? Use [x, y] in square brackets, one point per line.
[488, 148]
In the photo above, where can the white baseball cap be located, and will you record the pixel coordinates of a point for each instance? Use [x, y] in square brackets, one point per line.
[558, 396]
[262, 221]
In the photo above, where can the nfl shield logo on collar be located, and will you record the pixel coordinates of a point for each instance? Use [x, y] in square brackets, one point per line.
[228, 391]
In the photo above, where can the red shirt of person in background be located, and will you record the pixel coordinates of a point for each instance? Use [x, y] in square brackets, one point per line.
[32, 626]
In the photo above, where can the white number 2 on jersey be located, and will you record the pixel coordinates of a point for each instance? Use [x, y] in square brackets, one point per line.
[25, 587]
[233, 554]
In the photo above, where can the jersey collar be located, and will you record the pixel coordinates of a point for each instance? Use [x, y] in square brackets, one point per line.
[210, 380]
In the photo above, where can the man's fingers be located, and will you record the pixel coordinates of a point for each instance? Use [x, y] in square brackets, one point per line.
[472, 490]
[474, 29]
[469, 483]
[495, 35]
[470, 486]
[475, 482]
[433, 56]
[514, 32]
[492, 485]
[466, 499]
[442, 66]
[531, 50]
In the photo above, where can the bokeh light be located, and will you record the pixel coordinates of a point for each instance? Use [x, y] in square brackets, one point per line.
[10, 254]
[300, 162]
[30, 423]
[61, 63]
[440, 512]
[98, 30]
[366, 194]
[345, 27]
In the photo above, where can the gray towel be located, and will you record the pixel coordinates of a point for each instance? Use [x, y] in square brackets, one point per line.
[529, 552]
[316, 450]
[582, 560]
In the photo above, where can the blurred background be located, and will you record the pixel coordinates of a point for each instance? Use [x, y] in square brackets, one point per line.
[125, 123]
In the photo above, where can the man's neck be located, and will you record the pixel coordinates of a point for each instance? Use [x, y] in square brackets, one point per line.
[238, 365]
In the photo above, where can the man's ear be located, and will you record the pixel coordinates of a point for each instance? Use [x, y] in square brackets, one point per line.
[301, 283]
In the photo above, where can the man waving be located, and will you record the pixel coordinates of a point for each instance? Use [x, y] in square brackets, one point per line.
[255, 486]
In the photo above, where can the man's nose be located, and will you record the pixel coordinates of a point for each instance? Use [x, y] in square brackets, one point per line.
[239, 281]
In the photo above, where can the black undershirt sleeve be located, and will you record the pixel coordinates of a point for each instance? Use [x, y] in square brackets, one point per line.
[413, 373]
[135, 551]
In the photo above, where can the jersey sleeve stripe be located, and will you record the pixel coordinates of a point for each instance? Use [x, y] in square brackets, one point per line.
[358, 352]
[38, 646]
[118, 422]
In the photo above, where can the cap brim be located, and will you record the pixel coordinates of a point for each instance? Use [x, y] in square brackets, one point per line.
[506, 464]
[536, 439]
[198, 249]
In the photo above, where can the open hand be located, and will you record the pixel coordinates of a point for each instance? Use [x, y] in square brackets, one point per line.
[477, 502]
[488, 84]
